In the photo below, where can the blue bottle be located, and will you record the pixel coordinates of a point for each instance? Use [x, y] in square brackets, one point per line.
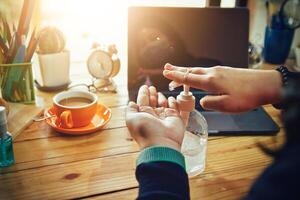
[6, 143]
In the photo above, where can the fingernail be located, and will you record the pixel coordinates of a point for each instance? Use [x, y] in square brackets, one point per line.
[131, 103]
[171, 98]
[168, 66]
[151, 87]
[166, 72]
[173, 85]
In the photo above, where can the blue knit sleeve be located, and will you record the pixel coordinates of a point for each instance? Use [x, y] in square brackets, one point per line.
[161, 175]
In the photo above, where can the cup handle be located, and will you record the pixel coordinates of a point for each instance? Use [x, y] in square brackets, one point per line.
[66, 119]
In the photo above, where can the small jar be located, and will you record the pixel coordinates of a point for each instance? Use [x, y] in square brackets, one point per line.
[195, 143]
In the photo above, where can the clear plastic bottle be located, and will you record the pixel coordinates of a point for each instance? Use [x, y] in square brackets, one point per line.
[194, 144]
[6, 142]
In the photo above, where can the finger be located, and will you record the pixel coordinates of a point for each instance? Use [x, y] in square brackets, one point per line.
[194, 70]
[132, 107]
[153, 96]
[162, 100]
[170, 112]
[223, 103]
[159, 110]
[173, 85]
[172, 103]
[147, 109]
[169, 66]
[193, 80]
[143, 96]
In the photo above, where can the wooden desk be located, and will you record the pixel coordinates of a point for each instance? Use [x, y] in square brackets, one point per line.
[50, 165]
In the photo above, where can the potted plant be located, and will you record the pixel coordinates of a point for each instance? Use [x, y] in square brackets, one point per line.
[54, 60]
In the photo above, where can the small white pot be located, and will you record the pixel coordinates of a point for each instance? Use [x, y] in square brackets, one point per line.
[54, 69]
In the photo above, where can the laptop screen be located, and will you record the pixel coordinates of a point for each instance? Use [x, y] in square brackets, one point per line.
[183, 36]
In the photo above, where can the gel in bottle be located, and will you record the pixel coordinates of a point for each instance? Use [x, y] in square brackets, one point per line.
[6, 142]
[195, 138]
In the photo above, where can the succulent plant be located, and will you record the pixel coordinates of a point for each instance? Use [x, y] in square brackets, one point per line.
[51, 40]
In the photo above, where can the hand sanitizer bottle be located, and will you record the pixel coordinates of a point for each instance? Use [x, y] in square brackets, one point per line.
[6, 143]
[194, 144]
[195, 137]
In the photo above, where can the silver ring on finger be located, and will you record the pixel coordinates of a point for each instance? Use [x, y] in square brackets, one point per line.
[185, 76]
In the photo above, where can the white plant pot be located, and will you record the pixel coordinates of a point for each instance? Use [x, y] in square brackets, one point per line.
[53, 69]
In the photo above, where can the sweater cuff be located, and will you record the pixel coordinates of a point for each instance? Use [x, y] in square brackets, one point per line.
[161, 153]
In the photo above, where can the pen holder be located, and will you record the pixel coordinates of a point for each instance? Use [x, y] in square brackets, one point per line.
[17, 83]
[277, 45]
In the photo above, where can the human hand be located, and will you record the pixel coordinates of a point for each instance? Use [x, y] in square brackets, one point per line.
[230, 89]
[154, 120]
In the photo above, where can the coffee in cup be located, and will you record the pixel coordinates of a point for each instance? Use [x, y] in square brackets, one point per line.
[75, 101]
[75, 108]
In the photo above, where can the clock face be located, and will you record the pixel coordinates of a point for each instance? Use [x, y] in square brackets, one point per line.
[100, 64]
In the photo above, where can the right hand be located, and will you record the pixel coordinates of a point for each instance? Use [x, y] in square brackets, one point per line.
[154, 120]
[230, 89]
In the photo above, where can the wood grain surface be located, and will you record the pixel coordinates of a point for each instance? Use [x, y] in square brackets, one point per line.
[20, 116]
[50, 165]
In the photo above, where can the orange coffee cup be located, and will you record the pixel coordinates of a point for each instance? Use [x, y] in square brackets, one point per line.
[75, 108]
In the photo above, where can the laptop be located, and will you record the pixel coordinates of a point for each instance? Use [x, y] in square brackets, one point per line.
[192, 37]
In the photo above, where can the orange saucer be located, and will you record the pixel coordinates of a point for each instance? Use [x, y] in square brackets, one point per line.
[100, 119]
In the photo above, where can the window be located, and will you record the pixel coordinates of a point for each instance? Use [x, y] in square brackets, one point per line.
[102, 21]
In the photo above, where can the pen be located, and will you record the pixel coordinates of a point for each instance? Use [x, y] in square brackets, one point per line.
[3, 46]
[20, 56]
[25, 17]
[7, 29]
[14, 28]
[1, 59]
[12, 49]
[28, 18]
[31, 47]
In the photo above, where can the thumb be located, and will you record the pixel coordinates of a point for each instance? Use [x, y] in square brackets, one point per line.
[130, 116]
[132, 107]
[223, 103]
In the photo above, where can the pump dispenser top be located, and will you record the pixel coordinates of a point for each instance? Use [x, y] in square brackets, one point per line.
[186, 103]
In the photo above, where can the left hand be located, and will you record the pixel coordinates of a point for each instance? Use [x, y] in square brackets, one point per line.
[232, 90]
[154, 120]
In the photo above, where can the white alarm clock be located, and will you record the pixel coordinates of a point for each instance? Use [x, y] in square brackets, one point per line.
[103, 64]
